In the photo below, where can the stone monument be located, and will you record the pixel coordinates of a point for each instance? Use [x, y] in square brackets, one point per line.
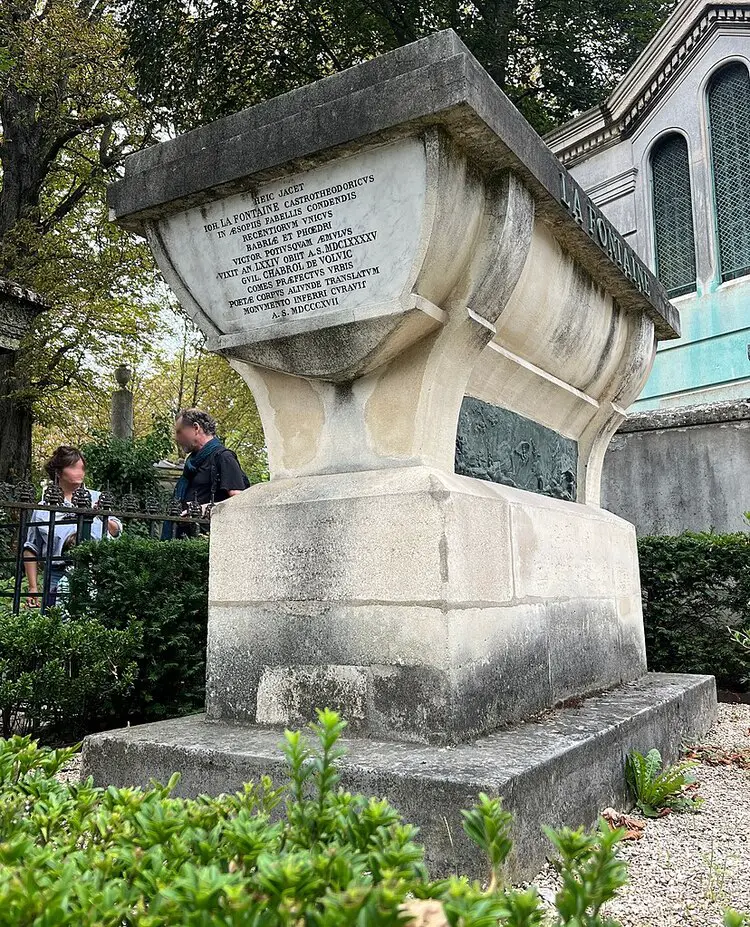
[121, 406]
[412, 285]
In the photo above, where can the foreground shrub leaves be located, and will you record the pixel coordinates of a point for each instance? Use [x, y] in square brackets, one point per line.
[84, 856]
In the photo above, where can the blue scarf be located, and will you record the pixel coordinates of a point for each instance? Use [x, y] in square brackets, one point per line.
[191, 465]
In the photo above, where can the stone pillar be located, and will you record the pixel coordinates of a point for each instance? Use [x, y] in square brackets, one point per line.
[121, 413]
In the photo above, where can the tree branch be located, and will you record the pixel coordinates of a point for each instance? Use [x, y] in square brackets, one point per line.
[68, 202]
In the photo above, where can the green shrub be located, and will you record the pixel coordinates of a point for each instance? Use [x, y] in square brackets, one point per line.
[78, 855]
[734, 918]
[127, 465]
[695, 586]
[56, 676]
[656, 789]
[163, 586]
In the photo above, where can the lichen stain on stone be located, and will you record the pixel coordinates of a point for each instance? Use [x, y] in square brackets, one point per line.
[299, 417]
[391, 429]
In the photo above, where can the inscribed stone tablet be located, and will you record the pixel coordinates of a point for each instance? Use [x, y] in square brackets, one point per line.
[329, 242]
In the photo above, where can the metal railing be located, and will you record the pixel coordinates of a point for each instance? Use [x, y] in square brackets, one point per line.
[154, 518]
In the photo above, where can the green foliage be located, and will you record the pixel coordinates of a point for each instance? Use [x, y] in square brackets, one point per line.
[199, 61]
[68, 117]
[657, 790]
[85, 856]
[55, 676]
[694, 587]
[742, 638]
[590, 873]
[733, 918]
[489, 827]
[127, 465]
[164, 588]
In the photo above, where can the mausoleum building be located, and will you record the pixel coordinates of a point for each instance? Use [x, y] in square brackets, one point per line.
[667, 159]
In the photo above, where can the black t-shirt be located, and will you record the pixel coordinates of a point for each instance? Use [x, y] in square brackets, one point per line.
[221, 472]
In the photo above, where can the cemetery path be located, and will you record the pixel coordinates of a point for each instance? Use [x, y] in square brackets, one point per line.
[688, 868]
[71, 772]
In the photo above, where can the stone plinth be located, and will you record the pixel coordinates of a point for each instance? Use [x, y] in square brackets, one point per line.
[426, 606]
[380, 256]
[561, 769]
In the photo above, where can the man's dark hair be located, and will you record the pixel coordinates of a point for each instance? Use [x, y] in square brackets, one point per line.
[64, 456]
[196, 417]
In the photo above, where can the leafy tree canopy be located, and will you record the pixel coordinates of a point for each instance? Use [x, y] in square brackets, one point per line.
[68, 117]
[197, 60]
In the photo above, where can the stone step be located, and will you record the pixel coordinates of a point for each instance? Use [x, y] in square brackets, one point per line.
[561, 768]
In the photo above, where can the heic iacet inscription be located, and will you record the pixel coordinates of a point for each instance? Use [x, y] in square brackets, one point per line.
[335, 237]
[299, 257]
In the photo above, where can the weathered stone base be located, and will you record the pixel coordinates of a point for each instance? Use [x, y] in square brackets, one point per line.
[561, 769]
[421, 605]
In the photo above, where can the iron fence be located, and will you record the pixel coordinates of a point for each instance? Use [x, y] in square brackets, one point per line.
[20, 513]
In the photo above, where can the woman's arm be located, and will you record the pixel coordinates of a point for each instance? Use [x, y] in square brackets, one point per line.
[32, 577]
[33, 550]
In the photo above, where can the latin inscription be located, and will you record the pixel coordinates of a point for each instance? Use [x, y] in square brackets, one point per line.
[329, 239]
[326, 246]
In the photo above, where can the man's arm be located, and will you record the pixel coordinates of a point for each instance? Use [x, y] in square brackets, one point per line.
[231, 477]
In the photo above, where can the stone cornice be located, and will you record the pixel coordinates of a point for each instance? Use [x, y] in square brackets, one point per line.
[18, 307]
[733, 410]
[613, 187]
[675, 44]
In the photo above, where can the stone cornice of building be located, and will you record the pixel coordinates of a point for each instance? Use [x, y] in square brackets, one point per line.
[676, 42]
[613, 187]
[21, 294]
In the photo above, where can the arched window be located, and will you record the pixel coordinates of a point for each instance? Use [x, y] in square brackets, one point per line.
[673, 215]
[729, 122]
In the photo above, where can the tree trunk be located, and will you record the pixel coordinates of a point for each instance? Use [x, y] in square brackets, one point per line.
[15, 423]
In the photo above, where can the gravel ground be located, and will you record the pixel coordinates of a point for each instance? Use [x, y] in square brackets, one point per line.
[688, 868]
[72, 771]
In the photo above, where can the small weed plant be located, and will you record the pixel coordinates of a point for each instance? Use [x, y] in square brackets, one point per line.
[741, 637]
[660, 791]
[312, 854]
